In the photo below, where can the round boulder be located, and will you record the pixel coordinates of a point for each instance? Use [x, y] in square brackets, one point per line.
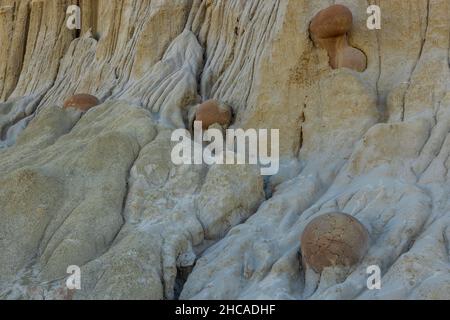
[211, 112]
[332, 22]
[82, 102]
[334, 239]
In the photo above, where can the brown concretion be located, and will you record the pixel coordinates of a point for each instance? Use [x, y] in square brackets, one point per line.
[82, 102]
[334, 239]
[329, 30]
[332, 22]
[211, 112]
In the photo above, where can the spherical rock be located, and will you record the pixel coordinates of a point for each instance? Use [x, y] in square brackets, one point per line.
[329, 30]
[332, 22]
[334, 239]
[82, 102]
[211, 112]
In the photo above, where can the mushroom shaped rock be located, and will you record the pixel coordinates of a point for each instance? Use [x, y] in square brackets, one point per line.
[332, 22]
[211, 112]
[334, 239]
[82, 102]
[329, 30]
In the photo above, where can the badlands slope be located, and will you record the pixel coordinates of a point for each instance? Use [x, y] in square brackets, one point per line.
[99, 190]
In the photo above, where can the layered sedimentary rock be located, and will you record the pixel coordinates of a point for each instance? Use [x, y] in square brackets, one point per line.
[99, 190]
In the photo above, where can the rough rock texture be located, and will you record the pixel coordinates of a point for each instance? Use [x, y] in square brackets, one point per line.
[98, 189]
[329, 30]
[333, 240]
[82, 102]
[213, 112]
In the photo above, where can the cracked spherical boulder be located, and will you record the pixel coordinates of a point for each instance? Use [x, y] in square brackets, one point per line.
[332, 240]
[82, 102]
[211, 112]
[332, 22]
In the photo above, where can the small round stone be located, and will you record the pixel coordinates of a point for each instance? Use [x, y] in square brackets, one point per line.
[82, 102]
[332, 22]
[334, 239]
[211, 112]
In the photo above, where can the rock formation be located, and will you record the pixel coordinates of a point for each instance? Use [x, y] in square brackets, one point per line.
[334, 239]
[101, 192]
[82, 102]
[329, 30]
[211, 112]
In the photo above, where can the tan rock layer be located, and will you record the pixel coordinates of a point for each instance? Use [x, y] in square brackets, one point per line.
[14, 18]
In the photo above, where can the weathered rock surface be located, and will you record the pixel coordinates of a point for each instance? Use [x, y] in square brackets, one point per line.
[98, 189]
[82, 102]
[213, 112]
[333, 240]
[329, 30]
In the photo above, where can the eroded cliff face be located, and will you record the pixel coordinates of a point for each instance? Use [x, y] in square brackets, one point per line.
[99, 190]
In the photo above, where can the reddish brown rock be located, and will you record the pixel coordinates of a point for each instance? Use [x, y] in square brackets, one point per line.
[329, 30]
[332, 22]
[211, 112]
[334, 239]
[82, 102]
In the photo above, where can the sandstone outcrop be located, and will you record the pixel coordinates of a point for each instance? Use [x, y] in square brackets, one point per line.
[100, 191]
